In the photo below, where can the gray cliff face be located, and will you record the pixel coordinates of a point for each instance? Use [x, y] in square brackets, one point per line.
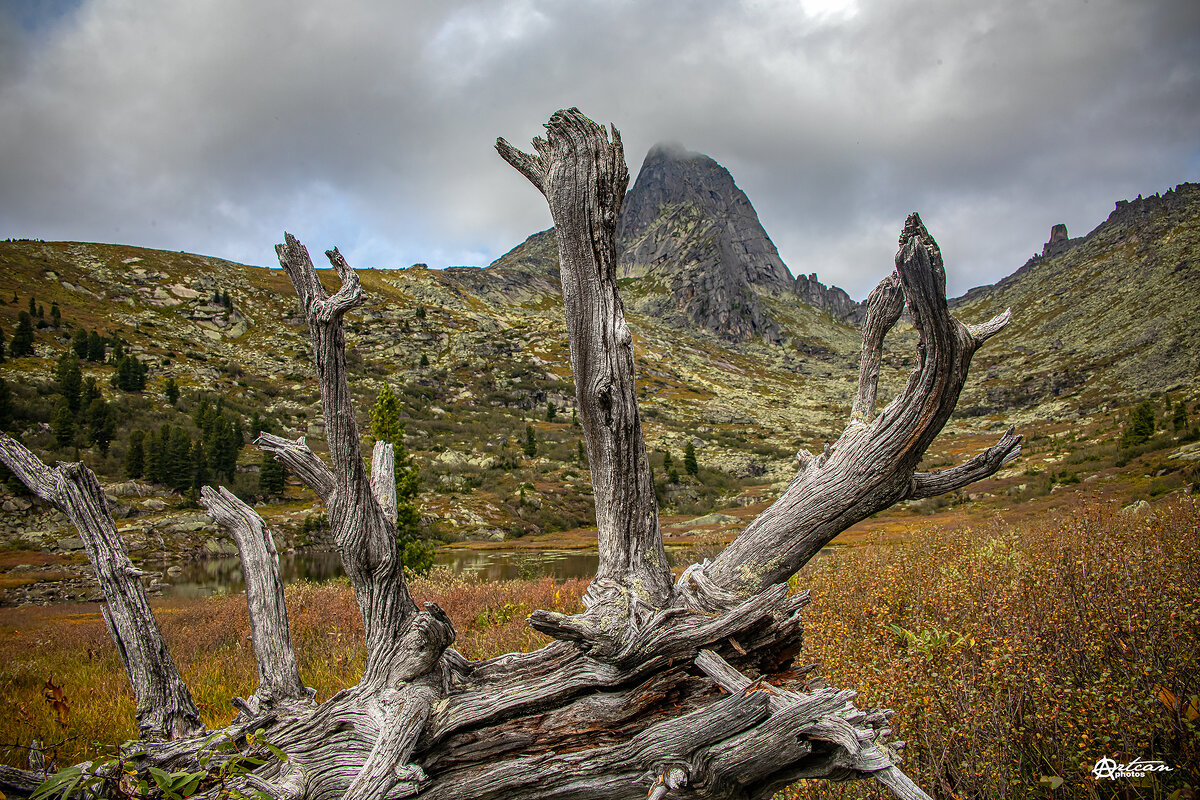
[694, 243]
[830, 298]
[672, 177]
[691, 233]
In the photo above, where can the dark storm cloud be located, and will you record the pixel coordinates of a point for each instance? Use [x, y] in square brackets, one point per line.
[213, 126]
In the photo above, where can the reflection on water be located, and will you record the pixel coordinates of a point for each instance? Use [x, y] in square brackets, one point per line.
[224, 575]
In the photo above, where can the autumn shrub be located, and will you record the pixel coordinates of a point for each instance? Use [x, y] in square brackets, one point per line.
[1017, 657]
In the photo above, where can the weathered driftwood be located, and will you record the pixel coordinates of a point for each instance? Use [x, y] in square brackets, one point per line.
[279, 682]
[660, 688]
[165, 709]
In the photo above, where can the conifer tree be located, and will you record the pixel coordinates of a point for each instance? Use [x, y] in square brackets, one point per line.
[666, 461]
[2, 347]
[130, 375]
[171, 390]
[79, 343]
[63, 425]
[6, 405]
[180, 460]
[32, 307]
[1179, 420]
[690, 465]
[200, 466]
[100, 424]
[1140, 425]
[135, 456]
[95, 347]
[55, 314]
[386, 426]
[153, 456]
[22, 341]
[89, 392]
[530, 446]
[70, 379]
[272, 476]
[551, 411]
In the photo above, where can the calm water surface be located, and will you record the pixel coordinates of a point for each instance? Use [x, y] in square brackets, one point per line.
[224, 575]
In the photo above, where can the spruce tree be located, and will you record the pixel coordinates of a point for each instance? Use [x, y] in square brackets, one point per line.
[171, 390]
[70, 379]
[22, 341]
[386, 426]
[79, 343]
[135, 456]
[130, 375]
[1140, 425]
[32, 307]
[1179, 420]
[95, 347]
[6, 405]
[100, 424]
[200, 466]
[179, 464]
[690, 465]
[272, 476]
[63, 425]
[89, 392]
[666, 461]
[152, 456]
[530, 446]
[551, 411]
[55, 314]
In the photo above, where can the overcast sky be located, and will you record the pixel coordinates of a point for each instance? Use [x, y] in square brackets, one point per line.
[213, 125]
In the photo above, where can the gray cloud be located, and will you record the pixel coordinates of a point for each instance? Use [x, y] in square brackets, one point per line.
[212, 127]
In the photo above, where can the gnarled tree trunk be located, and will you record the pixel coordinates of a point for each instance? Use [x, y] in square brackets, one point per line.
[661, 687]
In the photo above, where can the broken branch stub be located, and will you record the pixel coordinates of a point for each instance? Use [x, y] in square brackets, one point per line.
[279, 684]
[165, 709]
[583, 176]
[873, 464]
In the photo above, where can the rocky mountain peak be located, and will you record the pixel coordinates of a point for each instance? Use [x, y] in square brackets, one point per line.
[674, 179]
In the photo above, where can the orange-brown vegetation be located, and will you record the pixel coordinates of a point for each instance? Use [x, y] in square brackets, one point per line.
[1012, 653]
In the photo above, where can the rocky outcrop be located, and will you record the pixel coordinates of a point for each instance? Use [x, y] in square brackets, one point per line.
[1103, 316]
[692, 234]
[829, 298]
[673, 177]
[527, 272]
[1059, 242]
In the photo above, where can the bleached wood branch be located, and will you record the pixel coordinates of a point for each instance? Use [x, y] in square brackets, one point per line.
[165, 709]
[279, 684]
[871, 466]
[583, 175]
